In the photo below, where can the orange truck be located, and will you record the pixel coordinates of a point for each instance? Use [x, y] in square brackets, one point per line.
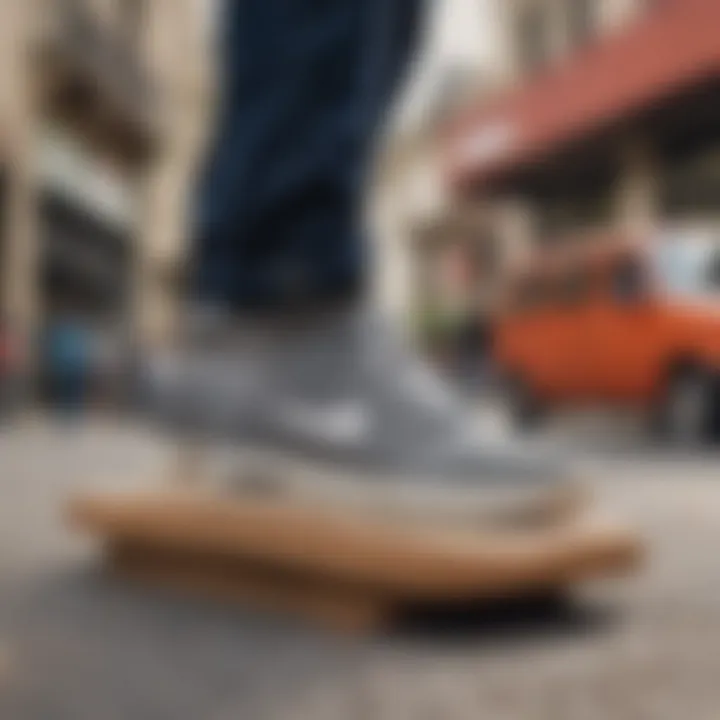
[617, 323]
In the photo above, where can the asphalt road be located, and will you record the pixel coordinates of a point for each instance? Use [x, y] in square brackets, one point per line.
[76, 645]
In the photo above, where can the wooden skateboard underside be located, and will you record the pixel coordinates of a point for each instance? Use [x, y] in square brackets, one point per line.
[344, 569]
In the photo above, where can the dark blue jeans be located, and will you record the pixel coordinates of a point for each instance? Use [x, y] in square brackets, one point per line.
[304, 85]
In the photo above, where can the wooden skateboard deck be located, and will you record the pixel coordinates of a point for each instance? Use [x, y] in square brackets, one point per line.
[346, 569]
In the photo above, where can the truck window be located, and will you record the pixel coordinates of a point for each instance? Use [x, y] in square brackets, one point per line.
[574, 288]
[532, 294]
[628, 281]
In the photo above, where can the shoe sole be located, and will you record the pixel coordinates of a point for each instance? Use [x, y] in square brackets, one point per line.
[255, 472]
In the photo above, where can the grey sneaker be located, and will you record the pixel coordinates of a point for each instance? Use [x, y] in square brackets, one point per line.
[337, 409]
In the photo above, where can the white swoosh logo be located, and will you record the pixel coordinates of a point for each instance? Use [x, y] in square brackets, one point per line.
[346, 423]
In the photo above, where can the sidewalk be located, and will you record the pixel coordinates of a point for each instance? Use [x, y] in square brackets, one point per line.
[82, 646]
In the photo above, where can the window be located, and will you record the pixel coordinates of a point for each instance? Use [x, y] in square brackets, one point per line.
[533, 39]
[583, 202]
[688, 263]
[691, 183]
[581, 21]
[628, 281]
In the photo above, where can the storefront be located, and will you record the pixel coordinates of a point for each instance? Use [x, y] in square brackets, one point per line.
[87, 232]
[86, 259]
[625, 133]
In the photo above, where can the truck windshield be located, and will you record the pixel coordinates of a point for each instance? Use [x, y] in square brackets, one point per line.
[690, 266]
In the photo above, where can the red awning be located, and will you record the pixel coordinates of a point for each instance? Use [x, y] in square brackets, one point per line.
[674, 47]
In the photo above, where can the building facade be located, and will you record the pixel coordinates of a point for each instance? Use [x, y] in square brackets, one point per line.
[426, 240]
[537, 34]
[101, 102]
[433, 271]
[605, 117]
[181, 51]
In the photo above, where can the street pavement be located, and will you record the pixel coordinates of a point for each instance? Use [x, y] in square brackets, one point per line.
[77, 645]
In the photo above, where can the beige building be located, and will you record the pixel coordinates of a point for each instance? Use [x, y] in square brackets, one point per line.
[418, 226]
[102, 105]
[182, 50]
[424, 235]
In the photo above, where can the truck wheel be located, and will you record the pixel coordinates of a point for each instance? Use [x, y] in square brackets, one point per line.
[686, 414]
[526, 412]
